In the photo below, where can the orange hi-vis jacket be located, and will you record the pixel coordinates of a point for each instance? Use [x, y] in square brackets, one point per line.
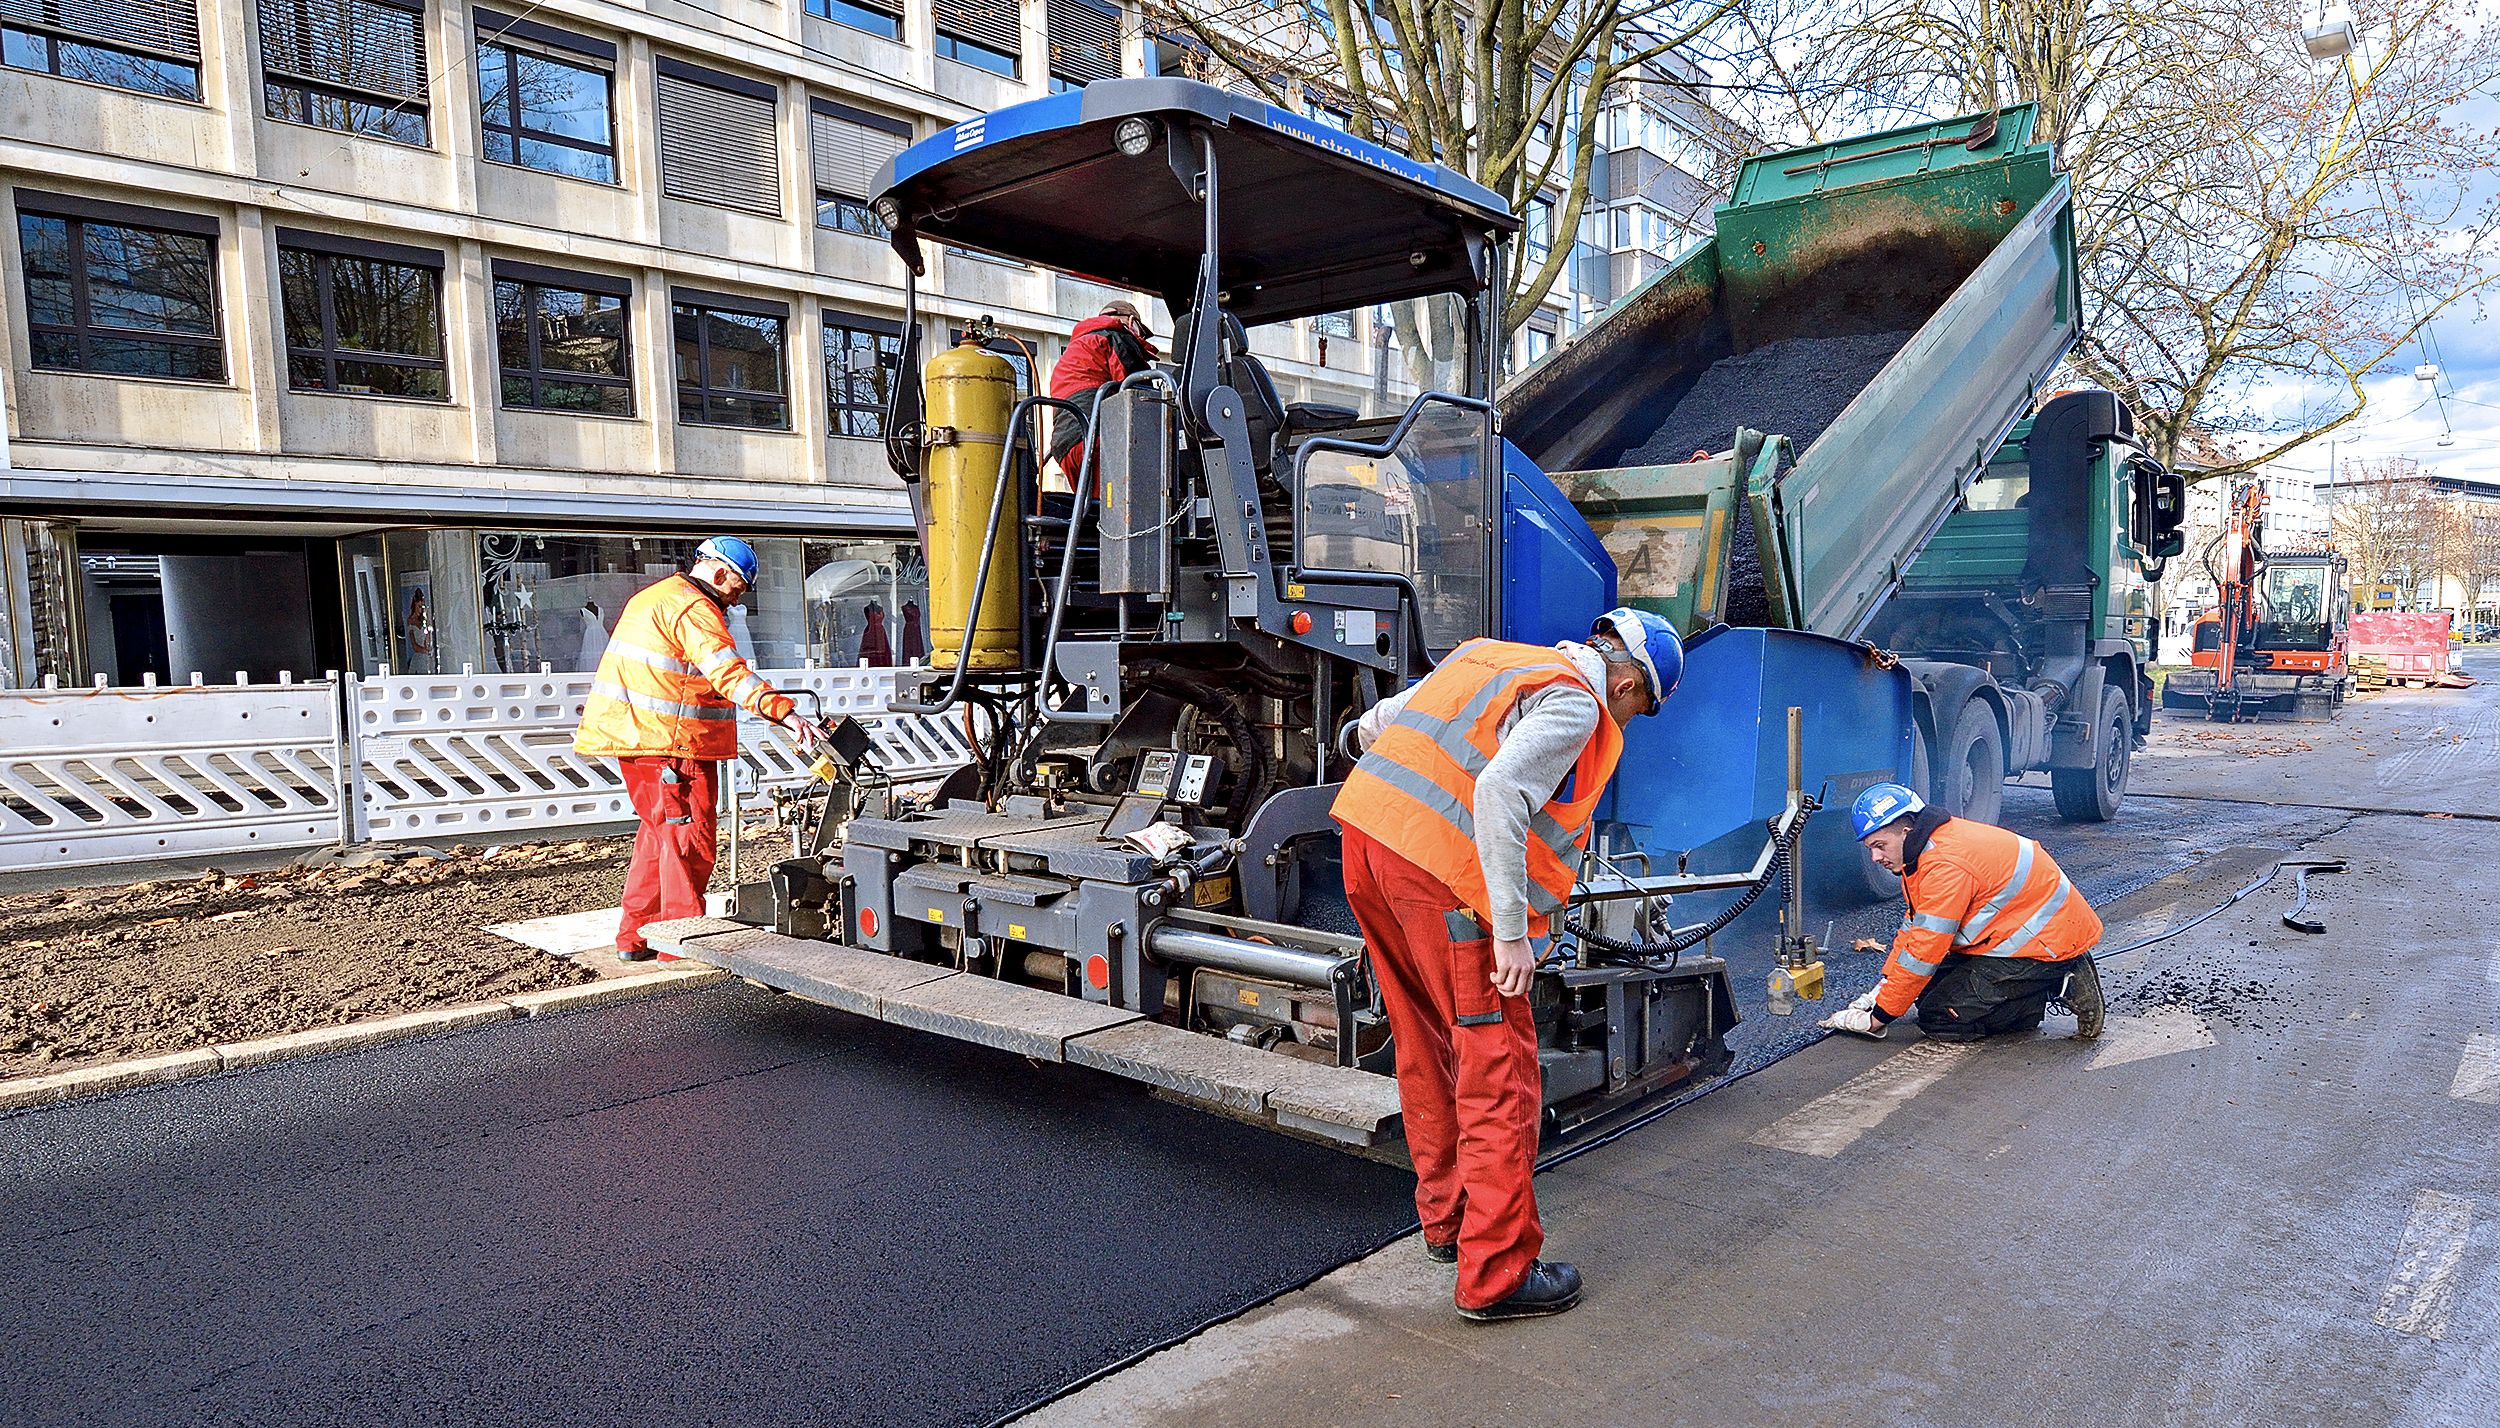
[671, 682]
[1983, 891]
[1415, 788]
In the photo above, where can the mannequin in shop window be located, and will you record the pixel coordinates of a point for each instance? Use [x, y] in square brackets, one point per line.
[875, 649]
[419, 636]
[913, 650]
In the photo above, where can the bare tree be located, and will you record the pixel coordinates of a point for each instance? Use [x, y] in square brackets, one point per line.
[2243, 215]
[1508, 92]
[2391, 526]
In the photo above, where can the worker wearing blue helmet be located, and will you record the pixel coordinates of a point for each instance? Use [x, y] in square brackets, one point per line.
[1463, 827]
[1995, 934]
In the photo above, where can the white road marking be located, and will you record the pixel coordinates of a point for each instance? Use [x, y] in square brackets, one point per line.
[2491, 969]
[2162, 1031]
[1832, 1122]
[2478, 1073]
[2417, 1295]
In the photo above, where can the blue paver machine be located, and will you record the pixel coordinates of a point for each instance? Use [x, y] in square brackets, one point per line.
[1138, 872]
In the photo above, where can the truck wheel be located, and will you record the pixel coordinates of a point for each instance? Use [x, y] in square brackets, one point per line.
[1970, 774]
[2092, 795]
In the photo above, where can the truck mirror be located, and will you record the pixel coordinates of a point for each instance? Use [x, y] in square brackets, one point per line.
[2160, 510]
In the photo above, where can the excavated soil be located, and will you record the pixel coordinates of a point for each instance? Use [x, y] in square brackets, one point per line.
[94, 974]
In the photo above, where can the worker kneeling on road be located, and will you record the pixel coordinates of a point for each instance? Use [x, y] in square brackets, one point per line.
[1464, 823]
[1995, 933]
[664, 705]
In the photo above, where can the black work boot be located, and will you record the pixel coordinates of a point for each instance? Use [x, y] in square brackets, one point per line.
[2082, 996]
[1550, 1288]
[1441, 1254]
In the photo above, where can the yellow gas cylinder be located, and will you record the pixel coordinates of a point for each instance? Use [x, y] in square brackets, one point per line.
[970, 392]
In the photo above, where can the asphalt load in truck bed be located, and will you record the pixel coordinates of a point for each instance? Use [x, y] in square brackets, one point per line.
[722, 1207]
[1793, 389]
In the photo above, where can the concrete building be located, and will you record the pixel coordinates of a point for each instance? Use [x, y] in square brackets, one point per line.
[418, 334]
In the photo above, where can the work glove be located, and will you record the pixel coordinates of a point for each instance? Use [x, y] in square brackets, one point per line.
[1857, 1021]
[809, 735]
[1865, 1001]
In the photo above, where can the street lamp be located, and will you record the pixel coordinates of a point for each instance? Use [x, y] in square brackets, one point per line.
[2328, 39]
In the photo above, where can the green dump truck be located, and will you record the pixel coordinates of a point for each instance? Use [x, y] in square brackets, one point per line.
[1830, 417]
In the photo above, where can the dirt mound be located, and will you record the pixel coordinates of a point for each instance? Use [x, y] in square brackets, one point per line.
[90, 974]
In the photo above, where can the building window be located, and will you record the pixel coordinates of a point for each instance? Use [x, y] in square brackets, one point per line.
[1334, 324]
[861, 357]
[987, 34]
[1540, 342]
[864, 600]
[848, 145]
[718, 140]
[1538, 237]
[561, 340]
[545, 98]
[1084, 42]
[729, 360]
[882, 18]
[146, 46]
[119, 291]
[362, 318]
[356, 65]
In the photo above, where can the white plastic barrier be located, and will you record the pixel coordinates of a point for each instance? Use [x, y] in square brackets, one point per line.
[113, 775]
[474, 755]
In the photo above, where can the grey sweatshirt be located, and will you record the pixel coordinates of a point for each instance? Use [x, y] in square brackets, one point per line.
[1538, 744]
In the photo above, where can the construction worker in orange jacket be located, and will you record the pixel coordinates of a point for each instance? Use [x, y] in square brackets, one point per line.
[664, 705]
[1995, 934]
[1464, 825]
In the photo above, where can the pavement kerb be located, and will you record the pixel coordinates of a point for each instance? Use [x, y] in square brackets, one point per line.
[28, 1092]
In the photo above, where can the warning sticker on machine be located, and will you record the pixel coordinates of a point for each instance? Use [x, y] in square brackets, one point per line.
[1214, 892]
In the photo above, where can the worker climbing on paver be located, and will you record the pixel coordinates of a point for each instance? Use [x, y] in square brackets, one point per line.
[1995, 934]
[664, 705]
[1463, 825]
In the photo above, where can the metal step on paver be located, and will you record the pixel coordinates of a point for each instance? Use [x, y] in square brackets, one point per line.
[1334, 1103]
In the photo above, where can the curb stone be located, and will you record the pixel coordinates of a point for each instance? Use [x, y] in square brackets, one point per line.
[84, 1082]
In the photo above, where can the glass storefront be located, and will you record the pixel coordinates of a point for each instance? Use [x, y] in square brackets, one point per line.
[431, 602]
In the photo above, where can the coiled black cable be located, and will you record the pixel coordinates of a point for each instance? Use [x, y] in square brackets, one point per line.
[1673, 949]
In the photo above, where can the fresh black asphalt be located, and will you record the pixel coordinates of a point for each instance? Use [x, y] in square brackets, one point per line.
[720, 1207]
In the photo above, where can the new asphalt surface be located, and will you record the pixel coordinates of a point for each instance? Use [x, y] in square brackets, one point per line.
[721, 1207]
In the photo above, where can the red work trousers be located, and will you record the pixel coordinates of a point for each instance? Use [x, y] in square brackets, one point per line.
[674, 846]
[1468, 1082]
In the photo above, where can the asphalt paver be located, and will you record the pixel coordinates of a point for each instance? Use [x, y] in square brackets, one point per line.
[719, 1207]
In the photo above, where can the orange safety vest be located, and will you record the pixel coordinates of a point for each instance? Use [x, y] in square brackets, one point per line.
[1984, 892]
[1415, 789]
[671, 682]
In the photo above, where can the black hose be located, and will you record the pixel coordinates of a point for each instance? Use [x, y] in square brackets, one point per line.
[1679, 941]
[1252, 777]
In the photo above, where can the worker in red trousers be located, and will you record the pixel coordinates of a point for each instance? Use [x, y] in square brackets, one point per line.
[664, 705]
[1464, 823]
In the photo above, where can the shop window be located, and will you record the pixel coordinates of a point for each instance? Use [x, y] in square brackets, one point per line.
[545, 97]
[362, 318]
[865, 603]
[562, 340]
[145, 46]
[119, 290]
[730, 370]
[354, 65]
[861, 356]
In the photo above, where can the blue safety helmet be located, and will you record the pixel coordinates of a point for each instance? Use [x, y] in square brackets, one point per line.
[1882, 805]
[1648, 641]
[732, 552]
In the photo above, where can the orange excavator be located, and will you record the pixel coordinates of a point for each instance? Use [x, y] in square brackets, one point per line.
[2274, 643]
